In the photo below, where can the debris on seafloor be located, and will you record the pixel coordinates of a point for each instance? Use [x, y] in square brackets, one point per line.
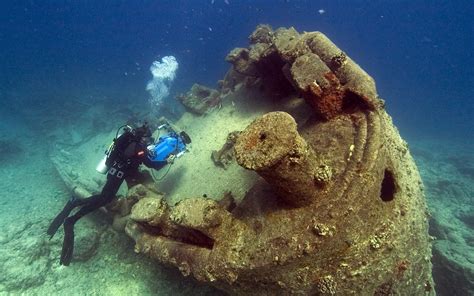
[225, 156]
[200, 99]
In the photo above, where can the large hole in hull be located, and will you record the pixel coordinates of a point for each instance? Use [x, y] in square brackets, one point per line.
[389, 186]
[180, 234]
[353, 102]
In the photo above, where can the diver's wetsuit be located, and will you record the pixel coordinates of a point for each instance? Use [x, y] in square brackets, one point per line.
[129, 152]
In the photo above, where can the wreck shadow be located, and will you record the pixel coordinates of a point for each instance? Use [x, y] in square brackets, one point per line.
[260, 201]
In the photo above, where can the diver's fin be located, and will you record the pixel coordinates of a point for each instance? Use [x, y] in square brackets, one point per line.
[54, 226]
[68, 244]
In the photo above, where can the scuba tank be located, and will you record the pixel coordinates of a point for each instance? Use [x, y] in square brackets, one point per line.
[104, 164]
[103, 167]
[170, 144]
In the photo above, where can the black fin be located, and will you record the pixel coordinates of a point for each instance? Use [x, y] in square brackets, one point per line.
[68, 244]
[54, 226]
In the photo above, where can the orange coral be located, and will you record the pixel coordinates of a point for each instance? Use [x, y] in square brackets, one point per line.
[327, 101]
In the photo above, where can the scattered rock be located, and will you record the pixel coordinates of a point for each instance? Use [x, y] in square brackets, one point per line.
[150, 210]
[200, 99]
[25, 258]
[226, 155]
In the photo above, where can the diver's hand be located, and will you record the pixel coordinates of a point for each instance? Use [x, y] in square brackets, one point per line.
[171, 158]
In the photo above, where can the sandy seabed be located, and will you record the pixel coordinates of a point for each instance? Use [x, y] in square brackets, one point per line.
[32, 193]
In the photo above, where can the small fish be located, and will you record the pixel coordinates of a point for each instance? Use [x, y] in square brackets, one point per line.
[321, 11]
[426, 39]
[210, 29]
[226, 2]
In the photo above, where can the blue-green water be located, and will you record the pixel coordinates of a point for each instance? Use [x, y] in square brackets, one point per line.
[59, 57]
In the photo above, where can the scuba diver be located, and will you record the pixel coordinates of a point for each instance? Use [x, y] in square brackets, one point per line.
[127, 152]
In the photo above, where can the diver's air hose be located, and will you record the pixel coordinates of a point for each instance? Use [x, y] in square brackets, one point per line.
[162, 177]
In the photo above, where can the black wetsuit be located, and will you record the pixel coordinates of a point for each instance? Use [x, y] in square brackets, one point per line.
[128, 153]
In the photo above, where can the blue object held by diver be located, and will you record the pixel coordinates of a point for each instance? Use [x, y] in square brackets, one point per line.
[169, 144]
[166, 146]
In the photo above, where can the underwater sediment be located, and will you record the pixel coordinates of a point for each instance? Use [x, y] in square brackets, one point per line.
[332, 202]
